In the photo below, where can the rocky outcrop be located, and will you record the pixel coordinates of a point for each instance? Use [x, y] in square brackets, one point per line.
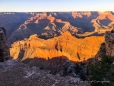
[107, 48]
[75, 49]
[69, 68]
[74, 70]
[15, 73]
[101, 52]
[4, 48]
[109, 43]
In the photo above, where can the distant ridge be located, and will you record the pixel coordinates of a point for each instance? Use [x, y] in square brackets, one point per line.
[47, 25]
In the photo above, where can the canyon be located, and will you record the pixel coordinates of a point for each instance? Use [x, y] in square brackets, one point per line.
[41, 42]
[52, 24]
[76, 35]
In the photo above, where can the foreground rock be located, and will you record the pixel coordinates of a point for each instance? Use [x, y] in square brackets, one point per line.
[13, 73]
[74, 70]
[4, 48]
[69, 68]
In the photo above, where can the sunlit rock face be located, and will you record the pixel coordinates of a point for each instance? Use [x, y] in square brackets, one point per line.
[4, 48]
[75, 49]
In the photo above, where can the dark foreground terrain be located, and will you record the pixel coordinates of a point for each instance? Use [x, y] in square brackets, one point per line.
[14, 73]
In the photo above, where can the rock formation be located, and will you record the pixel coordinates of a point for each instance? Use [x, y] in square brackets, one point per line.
[51, 24]
[16, 73]
[4, 47]
[69, 68]
[74, 70]
[11, 21]
[107, 48]
[75, 49]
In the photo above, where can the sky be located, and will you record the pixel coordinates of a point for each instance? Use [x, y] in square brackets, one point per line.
[55, 5]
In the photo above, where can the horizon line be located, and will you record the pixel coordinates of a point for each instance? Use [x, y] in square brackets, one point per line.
[56, 11]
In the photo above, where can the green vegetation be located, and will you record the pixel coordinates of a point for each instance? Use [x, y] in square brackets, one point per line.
[41, 68]
[102, 72]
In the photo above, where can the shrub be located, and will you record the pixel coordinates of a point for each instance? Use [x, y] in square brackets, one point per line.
[102, 71]
[41, 68]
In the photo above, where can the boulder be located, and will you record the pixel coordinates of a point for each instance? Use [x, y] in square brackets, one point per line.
[70, 69]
